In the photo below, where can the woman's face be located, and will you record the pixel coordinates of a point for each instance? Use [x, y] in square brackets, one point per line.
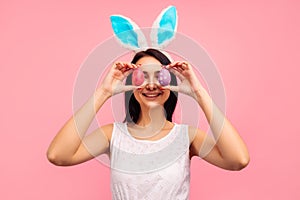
[151, 94]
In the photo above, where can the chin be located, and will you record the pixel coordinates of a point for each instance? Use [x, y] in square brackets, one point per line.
[153, 104]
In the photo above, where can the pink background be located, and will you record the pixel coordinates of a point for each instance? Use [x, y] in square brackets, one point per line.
[255, 46]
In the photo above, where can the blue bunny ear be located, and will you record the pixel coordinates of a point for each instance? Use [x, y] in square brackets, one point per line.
[164, 27]
[128, 33]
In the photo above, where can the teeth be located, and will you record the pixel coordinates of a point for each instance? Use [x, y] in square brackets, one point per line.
[151, 95]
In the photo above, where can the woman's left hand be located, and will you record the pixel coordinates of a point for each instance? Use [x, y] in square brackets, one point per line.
[189, 83]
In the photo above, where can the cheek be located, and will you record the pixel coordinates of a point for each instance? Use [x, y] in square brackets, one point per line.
[137, 96]
[166, 95]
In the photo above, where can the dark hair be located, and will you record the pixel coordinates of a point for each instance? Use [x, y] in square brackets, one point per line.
[132, 106]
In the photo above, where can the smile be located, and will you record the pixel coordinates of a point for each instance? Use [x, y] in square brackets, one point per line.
[151, 95]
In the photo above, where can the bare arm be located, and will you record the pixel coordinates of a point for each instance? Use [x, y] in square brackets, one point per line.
[225, 148]
[70, 146]
[63, 149]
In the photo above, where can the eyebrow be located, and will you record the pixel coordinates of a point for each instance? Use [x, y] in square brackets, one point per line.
[155, 73]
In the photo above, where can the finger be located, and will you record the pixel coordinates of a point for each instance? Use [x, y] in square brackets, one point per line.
[170, 87]
[140, 87]
[128, 66]
[179, 68]
[170, 65]
[123, 67]
[182, 65]
[185, 65]
[122, 64]
[129, 87]
[174, 88]
[134, 66]
[173, 64]
[118, 65]
[178, 74]
[127, 72]
[167, 87]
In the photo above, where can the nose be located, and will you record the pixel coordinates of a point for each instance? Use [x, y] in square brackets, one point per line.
[151, 86]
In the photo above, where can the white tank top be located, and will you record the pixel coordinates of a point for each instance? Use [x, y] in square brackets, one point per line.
[150, 170]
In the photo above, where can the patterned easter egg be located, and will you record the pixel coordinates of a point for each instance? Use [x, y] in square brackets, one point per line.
[137, 77]
[164, 77]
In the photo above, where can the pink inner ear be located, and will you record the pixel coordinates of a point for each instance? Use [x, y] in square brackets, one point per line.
[137, 77]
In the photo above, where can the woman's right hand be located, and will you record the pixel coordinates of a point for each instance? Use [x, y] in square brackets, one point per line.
[113, 82]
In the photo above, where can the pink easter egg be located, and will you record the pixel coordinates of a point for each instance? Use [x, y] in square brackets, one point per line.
[137, 77]
[164, 77]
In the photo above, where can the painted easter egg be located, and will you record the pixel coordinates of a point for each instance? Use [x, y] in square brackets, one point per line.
[164, 77]
[137, 77]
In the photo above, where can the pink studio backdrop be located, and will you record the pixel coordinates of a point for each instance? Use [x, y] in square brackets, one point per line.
[254, 44]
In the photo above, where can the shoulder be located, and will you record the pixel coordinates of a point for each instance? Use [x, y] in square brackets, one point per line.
[197, 137]
[196, 134]
[193, 132]
[107, 130]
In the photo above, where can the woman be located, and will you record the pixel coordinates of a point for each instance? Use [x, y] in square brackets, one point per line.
[146, 162]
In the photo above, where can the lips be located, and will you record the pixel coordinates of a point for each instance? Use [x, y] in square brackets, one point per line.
[151, 95]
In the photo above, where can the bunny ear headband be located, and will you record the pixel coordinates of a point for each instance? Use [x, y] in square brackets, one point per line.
[129, 34]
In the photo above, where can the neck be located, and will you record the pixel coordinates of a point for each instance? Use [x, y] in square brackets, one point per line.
[152, 120]
[152, 117]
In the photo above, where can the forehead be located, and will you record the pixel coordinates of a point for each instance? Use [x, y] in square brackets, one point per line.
[150, 67]
[149, 64]
[148, 60]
